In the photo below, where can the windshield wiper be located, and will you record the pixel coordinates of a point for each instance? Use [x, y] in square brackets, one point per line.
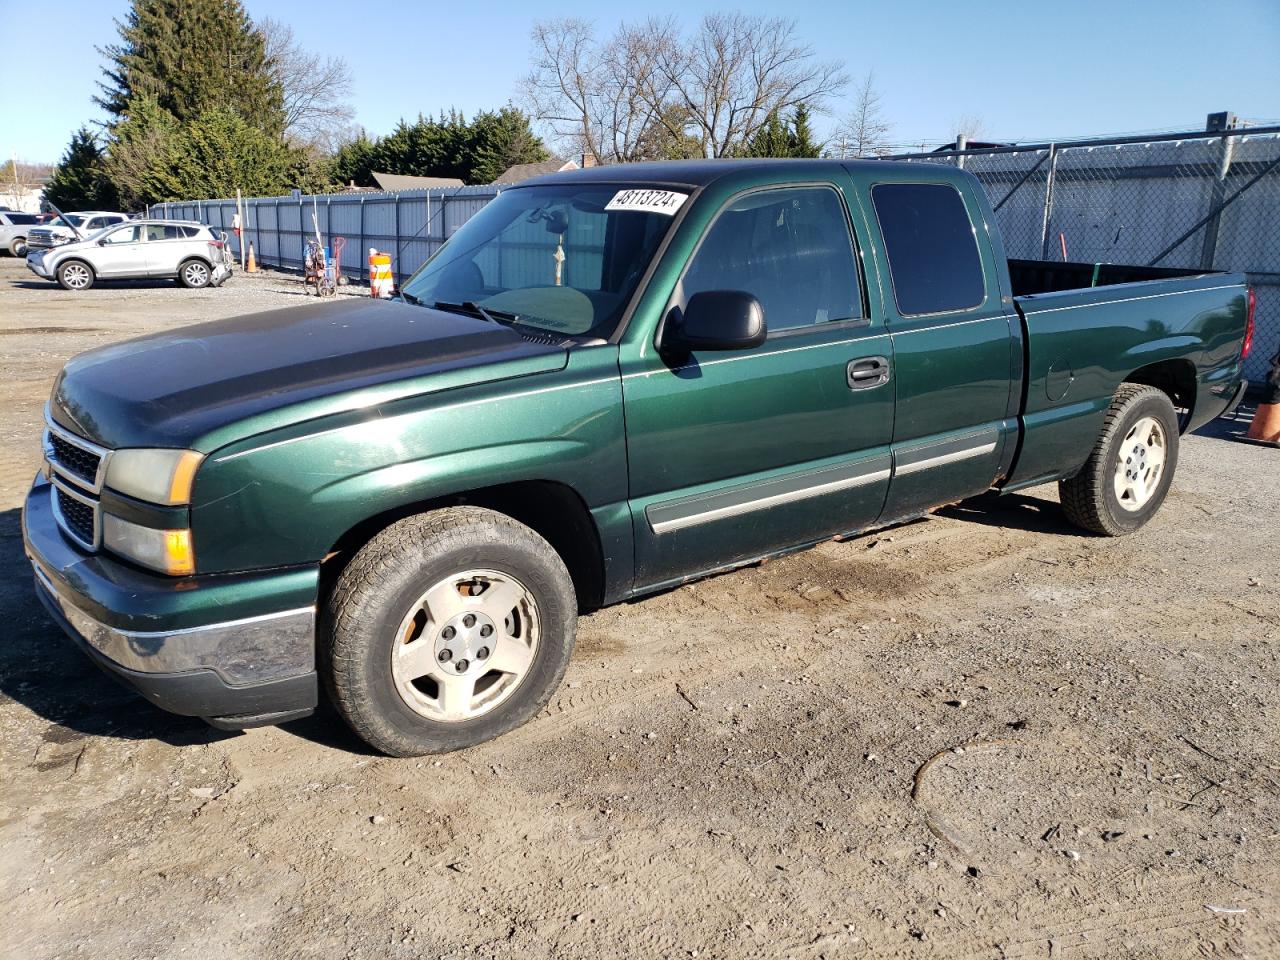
[411, 298]
[471, 308]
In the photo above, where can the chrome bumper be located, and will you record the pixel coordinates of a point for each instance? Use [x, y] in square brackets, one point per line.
[275, 646]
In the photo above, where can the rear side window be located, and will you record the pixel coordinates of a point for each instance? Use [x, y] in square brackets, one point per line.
[22, 218]
[790, 249]
[933, 253]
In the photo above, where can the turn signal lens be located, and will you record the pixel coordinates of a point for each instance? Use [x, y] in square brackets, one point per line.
[166, 551]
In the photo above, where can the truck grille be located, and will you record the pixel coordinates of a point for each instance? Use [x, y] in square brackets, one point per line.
[81, 463]
[76, 469]
[77, 517]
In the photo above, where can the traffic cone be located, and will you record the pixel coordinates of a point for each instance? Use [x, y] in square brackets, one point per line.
[252, 265]
[1266, 424]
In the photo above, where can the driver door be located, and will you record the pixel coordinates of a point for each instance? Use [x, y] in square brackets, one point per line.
[121, 253]
[736, 454]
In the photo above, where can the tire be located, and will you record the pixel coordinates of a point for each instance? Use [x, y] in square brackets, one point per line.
[194, 274]
[390, 616]
[18, 246]
[75, 275]
[1127, 477]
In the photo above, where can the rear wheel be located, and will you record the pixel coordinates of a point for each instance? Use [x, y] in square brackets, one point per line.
[18, 246]
[446, 630]
[194, 274]
[75, 275]
[1128, 475]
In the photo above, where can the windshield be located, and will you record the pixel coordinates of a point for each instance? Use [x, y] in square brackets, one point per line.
[68, 220]
[563, 258]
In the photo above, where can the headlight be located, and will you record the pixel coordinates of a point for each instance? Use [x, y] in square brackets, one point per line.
[168, 551]
[156, 476]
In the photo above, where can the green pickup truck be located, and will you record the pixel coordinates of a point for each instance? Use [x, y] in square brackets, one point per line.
[606, 383]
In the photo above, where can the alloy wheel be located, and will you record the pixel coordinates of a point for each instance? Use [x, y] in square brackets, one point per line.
[465, 645]
[1140, 464]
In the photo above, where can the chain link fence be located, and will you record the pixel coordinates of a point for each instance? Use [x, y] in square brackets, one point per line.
[410, 225]
[1206, 201]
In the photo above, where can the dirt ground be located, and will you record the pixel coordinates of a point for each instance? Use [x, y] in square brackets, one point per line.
[978, 735]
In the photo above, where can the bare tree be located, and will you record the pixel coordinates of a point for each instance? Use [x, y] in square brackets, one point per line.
[864, 131]
[738, 69]
[598, 98]
[317, 89]
[650, 91]
[970, 126]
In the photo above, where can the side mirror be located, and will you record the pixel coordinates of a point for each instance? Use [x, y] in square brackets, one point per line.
[718, 320]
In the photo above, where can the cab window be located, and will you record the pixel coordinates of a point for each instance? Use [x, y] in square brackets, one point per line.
[790, 248]
[932, 249]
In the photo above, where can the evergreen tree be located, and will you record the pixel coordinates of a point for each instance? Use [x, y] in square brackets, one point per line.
[192, 56]
[802, 141]
[217, 152]
[779, 137]
[497, 140]
[79, 181]
[137, 150]
[355, 161]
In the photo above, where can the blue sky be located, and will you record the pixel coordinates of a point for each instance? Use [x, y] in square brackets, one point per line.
[1029, 70]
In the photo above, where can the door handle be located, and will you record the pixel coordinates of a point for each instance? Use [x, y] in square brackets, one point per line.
[867, 372]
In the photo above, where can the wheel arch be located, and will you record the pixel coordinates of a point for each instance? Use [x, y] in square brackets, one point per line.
[553, 510]
[1176, 378]
[72, 258]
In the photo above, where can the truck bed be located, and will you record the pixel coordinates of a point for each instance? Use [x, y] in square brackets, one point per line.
[1051, 276]
[1086, 328]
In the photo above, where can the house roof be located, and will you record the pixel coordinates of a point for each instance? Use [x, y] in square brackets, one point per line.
[401, 181]
[523, 171]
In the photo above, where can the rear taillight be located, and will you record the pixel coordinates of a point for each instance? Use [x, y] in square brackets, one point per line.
[1248, 325]
[217, 243]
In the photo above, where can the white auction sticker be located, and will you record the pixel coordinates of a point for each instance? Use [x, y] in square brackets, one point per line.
[648, 201]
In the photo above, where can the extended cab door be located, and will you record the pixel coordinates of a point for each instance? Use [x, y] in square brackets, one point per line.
[121, 253]
[953, 340]
[732, 455]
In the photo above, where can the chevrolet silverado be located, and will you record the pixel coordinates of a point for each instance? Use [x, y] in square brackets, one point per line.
[606, 383]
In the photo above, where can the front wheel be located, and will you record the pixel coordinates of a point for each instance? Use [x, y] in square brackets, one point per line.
[18, 246]
[1127, 477]
[75, 275]
[447, 629]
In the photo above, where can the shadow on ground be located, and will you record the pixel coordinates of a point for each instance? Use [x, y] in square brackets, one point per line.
[1012, 511]
[42, 670]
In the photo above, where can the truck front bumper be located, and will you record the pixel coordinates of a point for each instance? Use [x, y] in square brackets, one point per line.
[170, 640]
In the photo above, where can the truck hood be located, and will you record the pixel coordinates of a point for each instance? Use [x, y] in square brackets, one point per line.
[169, 389]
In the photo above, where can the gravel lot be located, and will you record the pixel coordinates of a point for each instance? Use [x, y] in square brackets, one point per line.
[977, 735]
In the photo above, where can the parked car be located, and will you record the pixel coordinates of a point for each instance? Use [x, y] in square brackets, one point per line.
[606, 383]
[67, 227]
[13, 231]
[186, 251]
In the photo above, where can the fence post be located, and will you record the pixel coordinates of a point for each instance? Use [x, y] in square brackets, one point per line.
[1209, 250]
[962, 144]
[399, 252]
[1048, 201]
[363, 252]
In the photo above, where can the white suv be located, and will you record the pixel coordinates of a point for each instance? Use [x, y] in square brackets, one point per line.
[71, 226]
[183, 250]
[14, 225]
